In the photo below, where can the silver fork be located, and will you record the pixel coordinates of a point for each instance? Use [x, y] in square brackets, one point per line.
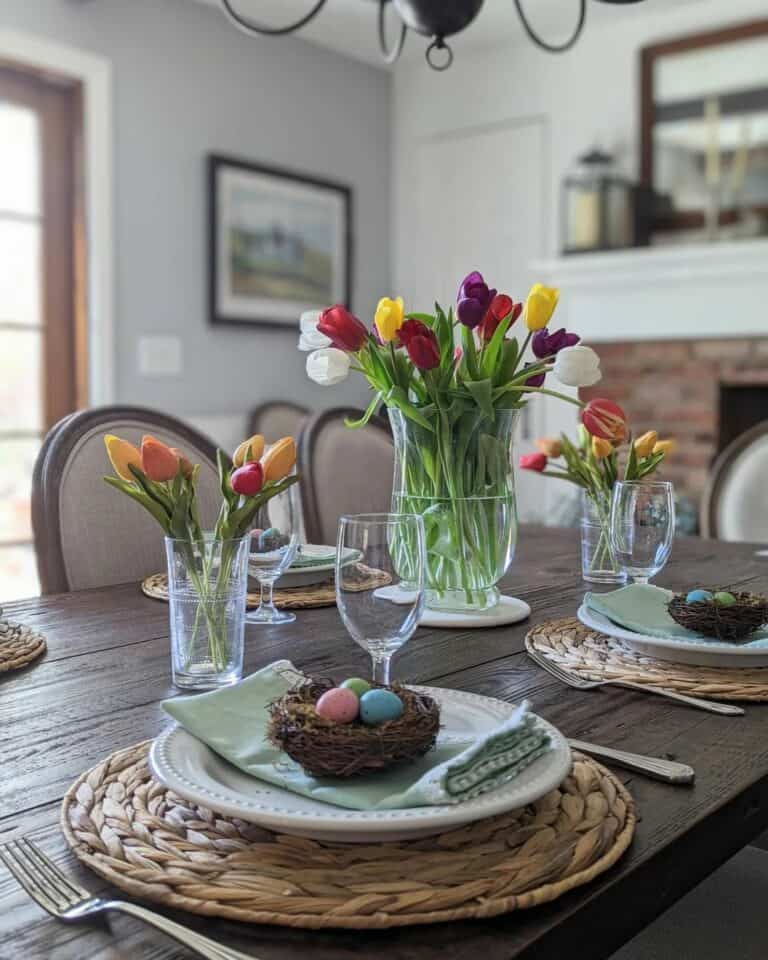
[579, 683]
[66, 900]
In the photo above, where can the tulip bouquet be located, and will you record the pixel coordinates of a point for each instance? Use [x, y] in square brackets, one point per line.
[164, 482]
[454, 381]
[604, 453]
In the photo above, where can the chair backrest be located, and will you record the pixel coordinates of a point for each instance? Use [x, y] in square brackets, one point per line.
[343, 470]
[87, 534]
[735, 504]
[277, 419]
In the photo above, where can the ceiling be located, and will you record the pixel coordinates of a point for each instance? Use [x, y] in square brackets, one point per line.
[349, 26]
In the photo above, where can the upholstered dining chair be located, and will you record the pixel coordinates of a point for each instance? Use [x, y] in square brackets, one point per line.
[343, 471]
[735, 504]
[87, 534]
[279, 418]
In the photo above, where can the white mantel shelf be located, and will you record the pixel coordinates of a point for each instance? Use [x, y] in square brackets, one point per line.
[658, 293]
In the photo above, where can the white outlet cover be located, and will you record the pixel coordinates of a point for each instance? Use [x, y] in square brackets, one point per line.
[159, 356]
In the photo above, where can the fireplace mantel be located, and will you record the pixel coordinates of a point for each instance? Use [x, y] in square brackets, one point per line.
[663, 293]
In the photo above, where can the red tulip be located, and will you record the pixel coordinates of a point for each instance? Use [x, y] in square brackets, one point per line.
[533, 461]
[605, 419]
[342, 328]
[248, 480]
[421, 343]
[501, 307]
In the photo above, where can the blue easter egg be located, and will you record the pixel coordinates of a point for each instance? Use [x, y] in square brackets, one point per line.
[379, 706]
[698, 596]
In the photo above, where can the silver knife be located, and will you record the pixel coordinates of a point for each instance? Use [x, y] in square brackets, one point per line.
[667, 770]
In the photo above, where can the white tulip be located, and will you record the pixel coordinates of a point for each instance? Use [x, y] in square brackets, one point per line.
[311, 338]
[328, 366]
[577, 366]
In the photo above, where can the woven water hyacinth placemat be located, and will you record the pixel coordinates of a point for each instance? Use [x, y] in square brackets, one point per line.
[19, 645]
[154, 845]
[594, 656]
[296, 598]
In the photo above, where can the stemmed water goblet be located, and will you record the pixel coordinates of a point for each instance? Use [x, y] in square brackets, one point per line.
[272, 551]
[642, 526]
[392, 547]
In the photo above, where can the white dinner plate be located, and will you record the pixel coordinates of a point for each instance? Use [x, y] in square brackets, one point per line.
[192, 770]
[309, 571]
[701, 653]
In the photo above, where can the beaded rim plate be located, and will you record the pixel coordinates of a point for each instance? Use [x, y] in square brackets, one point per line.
[702, 653]
[191, 769]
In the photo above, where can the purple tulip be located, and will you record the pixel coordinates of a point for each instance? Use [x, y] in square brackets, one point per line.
[474, 299]
[545, 344]
[537, 380]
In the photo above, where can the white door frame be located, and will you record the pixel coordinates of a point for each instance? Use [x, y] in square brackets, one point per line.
[95, 74]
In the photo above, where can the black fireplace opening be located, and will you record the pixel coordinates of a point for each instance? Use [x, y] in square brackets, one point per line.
[742, 405]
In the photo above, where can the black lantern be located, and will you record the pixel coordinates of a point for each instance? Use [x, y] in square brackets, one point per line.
[598, 206]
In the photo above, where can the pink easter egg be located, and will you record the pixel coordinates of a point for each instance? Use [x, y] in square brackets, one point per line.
[338, 705]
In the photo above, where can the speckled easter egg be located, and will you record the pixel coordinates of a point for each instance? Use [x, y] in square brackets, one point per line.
[379, 706]
[338, 705]
[698, 596]
[724, 598]
[357, 685]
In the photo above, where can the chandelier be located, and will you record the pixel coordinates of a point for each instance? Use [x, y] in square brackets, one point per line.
[436, 19]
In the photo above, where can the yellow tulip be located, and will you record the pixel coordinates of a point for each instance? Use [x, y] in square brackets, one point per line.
[665, 446]
[644, 445]
[389, 317]
[540, 306]
[601, 448]
[256, 443]
[121, 455]
[279, 459]
[550, 447]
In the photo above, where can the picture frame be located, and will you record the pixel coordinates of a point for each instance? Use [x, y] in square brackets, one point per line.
[279, 243]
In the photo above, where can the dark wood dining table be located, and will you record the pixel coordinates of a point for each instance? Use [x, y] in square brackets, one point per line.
[99, 688]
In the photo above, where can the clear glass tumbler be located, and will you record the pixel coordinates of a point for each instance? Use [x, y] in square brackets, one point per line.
[393, 544]
[207, 583]
[642, 526]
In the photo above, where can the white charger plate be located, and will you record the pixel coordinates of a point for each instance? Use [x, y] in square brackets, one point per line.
[305, 574]
[700, 653]
[191, 769]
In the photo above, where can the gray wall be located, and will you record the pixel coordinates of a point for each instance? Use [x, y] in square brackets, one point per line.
[186, 82]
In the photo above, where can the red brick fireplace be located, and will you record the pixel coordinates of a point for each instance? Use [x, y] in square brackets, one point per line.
[701, 392]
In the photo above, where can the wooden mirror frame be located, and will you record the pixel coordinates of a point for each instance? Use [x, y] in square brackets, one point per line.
[681, 220]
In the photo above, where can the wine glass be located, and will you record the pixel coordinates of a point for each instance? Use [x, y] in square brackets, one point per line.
[273, 548]
[392, 545]
[642, 526]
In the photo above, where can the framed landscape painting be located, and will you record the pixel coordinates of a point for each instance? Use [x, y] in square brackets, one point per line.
[279, 243]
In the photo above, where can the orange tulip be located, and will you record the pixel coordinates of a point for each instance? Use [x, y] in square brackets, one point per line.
[185, 464]
[644, 445]
[158, 461]
[256, 443]
[550, 447]
[601, 448]
[279, 459]
[665, 446]
[121, 455]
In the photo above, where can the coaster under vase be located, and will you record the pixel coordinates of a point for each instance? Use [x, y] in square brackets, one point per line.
[595, 656]
[156, 846]
[19, 645]
[292, 598]
[507, 610]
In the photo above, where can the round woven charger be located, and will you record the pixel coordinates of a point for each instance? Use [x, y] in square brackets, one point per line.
[594, 656]
[19, 645]
[295, 598]
[156, 846]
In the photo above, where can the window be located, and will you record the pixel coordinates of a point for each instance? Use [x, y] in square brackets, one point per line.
[40, 358]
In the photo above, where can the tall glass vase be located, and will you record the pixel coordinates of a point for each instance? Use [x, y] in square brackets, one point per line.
[207, 583]
[459, 478]
[598, 561]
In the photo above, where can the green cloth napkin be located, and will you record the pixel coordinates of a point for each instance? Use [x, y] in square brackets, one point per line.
[233, 722]
[642, 608]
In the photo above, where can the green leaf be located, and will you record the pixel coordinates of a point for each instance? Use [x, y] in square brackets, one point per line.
[224, 464]
[469, 353]
[152, 489]
[490, 353]
[631, 470]
[397, 397]
[140, 497]
[369, 411]
[508, 363]
[481, 391]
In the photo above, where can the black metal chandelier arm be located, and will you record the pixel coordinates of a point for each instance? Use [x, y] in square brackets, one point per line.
[553, 47]
[250, 26]
[390, 56]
